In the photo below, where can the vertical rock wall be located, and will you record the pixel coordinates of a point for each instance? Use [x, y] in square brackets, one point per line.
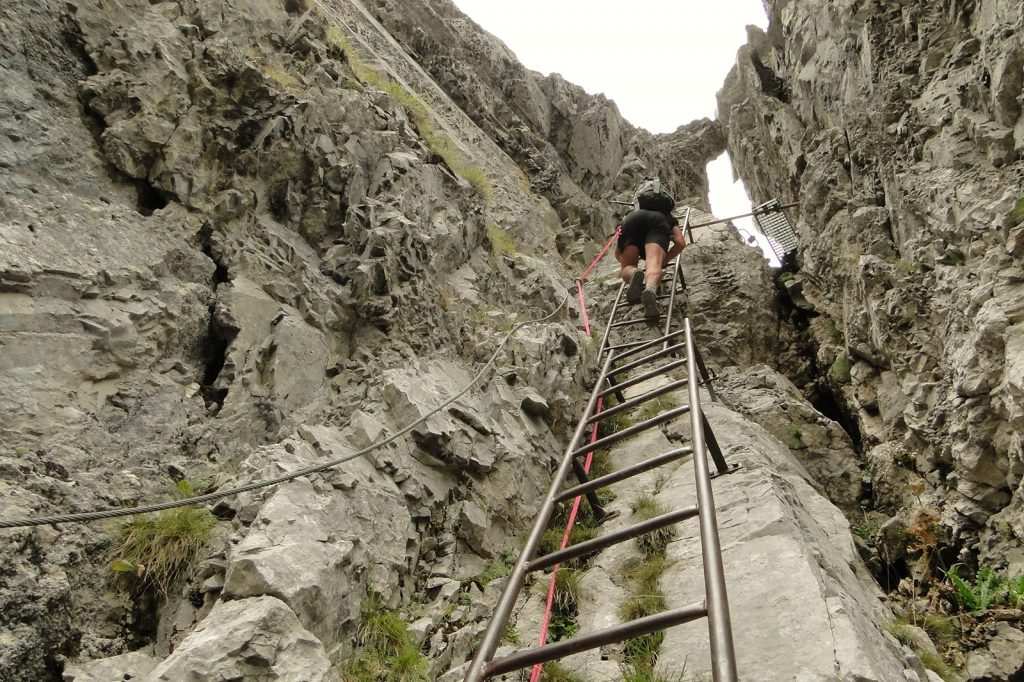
[899, 128]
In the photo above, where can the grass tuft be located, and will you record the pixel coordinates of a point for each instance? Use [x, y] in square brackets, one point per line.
[568, 588]
[553, 672]
[386, 649]
[939, 666]
[501, 241]
[156, 553]
[499, 568]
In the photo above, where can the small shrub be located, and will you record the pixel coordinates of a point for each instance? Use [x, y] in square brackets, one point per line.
[833, 332]
[499, 568]
[642, 652]
[552, 538]
[840, 370]
[653, 408]
[937, 665]
[987, 589]
[477, 178]
[866, 530]
[606, 496]
[941, 634]
[283, 79]
[1016, 592]
[641, 606]
[562, 626]
[645, 573]
[653, 543]
[645, 507]
[900, 630]
[512, 636]
[795, 432]
[1018, 211]
[601, 465]
[643, 674]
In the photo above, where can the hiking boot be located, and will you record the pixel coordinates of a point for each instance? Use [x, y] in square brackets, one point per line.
[650, 299]
[636, 285]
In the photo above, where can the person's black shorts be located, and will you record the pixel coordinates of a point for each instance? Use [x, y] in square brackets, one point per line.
[642, 227]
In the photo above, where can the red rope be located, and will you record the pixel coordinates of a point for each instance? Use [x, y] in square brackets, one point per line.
[586, 273]
[538, 668]
[546, 620]
[583, 307]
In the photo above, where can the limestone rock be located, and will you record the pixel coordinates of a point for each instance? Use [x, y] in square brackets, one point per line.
[259, 637]
[824, 608]
[134, 665]
[903, 149]
[318, 549]
[1000, 661]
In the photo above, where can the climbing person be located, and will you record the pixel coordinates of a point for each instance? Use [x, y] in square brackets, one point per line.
[647, 232]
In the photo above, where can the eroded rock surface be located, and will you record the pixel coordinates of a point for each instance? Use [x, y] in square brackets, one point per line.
[898, 126]
[225, 256]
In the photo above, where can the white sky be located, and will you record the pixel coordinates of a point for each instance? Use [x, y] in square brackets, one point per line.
[681, 49]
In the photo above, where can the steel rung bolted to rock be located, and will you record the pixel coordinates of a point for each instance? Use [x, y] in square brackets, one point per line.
[648, 358]
[639, 400]
[664, 369]
[623, 474]
[613, 538]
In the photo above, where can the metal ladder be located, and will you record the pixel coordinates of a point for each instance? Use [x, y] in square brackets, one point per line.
[627, 364]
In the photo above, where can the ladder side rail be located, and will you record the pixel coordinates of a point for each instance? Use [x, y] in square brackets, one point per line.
[723, 654]
[677, 271]
[705, 375]
[506, 602]
[611, 318]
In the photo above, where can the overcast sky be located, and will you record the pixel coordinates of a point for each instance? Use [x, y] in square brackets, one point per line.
[661, 61]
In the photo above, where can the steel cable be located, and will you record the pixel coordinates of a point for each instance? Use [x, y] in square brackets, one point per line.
[83, 517]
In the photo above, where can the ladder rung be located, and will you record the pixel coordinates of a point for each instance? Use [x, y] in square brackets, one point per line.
[630, 323]
[647, 358]
[616, 633]
[632, 430]
[612, 538]
[637, 346]
[675, 364]
[638, 400]
[623, 474]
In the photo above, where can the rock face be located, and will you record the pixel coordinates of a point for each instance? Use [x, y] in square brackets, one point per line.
[898, 126]
[242, 237]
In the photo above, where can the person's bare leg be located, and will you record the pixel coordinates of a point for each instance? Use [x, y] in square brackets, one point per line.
[628, 259]
[654, 257]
